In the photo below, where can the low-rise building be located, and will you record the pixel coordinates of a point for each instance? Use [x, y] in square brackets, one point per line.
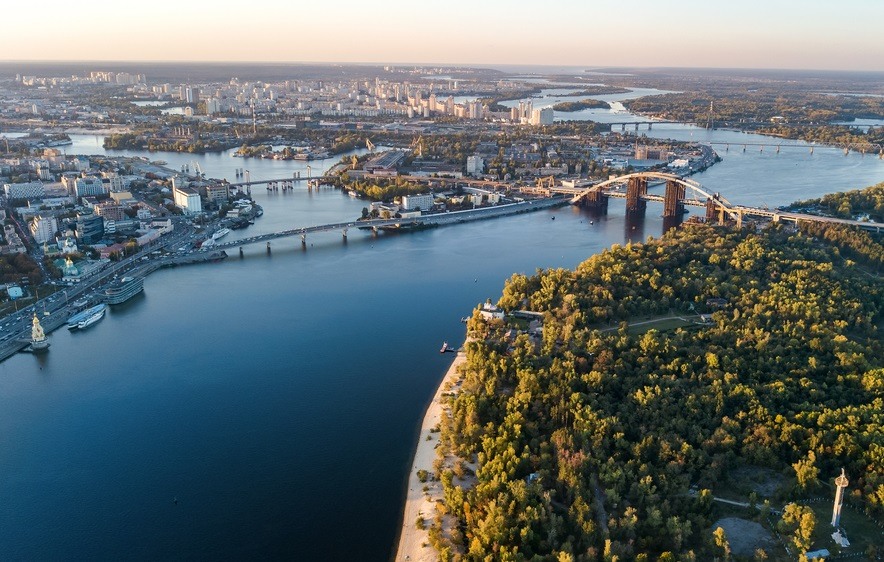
[491, 312]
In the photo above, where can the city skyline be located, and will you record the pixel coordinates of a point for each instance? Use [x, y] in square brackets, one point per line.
[753, 34]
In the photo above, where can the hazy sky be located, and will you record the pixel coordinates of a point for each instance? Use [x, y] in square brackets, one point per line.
[818, 34]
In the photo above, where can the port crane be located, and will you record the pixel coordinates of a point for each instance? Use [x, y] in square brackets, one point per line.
[548, 182]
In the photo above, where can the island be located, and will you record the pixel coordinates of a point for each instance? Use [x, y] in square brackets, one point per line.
[569, 106]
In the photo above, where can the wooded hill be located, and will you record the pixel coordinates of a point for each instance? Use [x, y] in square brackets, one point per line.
[587, 442]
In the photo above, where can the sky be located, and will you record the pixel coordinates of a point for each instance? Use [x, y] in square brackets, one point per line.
[800, 34]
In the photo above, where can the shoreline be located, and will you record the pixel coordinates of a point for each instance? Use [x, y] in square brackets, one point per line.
[417, 503]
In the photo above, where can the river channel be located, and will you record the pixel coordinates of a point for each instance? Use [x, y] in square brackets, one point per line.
[277, 397]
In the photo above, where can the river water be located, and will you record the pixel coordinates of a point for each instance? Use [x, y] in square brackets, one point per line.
[277, 397]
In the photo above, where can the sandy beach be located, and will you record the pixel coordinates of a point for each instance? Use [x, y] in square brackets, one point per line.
[411, 539]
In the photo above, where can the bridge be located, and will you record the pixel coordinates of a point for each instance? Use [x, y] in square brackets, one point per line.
[637, 124]
[292, 179]
[681, 192]
[862, 147]
[375, 225]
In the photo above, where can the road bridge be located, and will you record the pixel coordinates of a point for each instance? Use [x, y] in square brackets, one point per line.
[375, 225]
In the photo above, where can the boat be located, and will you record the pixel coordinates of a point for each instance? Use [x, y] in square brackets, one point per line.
[221, 233]
[39, 343]
[123, 289]
[91, 320]
[75, 320]
[444, 347]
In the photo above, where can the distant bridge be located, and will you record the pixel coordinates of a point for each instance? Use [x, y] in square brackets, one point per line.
[681, 192]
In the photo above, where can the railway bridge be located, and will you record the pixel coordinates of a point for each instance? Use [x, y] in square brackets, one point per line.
[681, 192]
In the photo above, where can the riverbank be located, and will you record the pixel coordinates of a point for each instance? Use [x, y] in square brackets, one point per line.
[414, 543]
[55, 318]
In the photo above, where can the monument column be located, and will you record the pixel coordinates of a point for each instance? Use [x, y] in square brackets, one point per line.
[840, 484]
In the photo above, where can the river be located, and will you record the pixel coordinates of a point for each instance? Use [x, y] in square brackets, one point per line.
[278, 397]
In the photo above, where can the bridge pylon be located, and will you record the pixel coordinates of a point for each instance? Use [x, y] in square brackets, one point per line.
[636, 189]
[595, 200]
[673, 200]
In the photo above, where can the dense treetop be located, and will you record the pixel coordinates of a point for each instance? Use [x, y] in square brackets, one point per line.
[588, 439]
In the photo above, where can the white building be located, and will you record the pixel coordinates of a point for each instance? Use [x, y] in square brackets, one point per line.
[84, 187]
[29, 190]
[213, 105]
[43, 229]
[188, 200]
[475, 165]
[113, 181]
[424, 202]
[542, 116]
[491, 312]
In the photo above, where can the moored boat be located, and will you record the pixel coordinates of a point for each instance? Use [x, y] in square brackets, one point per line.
[91, 319]
[124, 289]
[221, 234]
[76, 319]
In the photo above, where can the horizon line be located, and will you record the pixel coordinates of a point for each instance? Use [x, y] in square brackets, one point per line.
[481, 66]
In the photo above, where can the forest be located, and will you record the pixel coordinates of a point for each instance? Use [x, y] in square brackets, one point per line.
[848, 204]
[594, 442]
[15, 267]
[383, 189]
[569, 106]
[773, 111]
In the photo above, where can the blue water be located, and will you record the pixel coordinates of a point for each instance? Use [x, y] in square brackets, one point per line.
[278, 397]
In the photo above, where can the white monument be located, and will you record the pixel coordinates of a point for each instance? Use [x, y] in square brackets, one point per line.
[840, 484]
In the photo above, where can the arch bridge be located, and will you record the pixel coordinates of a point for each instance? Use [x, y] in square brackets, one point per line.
[681, 192]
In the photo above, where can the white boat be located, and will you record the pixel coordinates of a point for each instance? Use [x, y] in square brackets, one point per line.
[221, 234]
[91, 320]
[75, 320]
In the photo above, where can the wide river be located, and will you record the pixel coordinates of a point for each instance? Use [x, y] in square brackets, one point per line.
[277, 397]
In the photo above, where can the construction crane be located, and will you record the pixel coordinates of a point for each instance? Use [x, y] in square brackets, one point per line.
[548, 182]
[369, 145]
[354, 162]
[419, 143]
